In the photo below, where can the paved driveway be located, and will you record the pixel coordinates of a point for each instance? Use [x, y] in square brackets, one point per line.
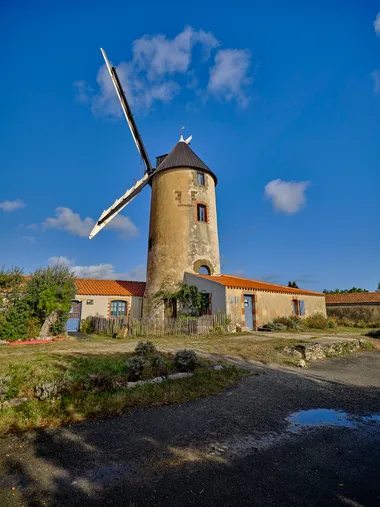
[255, 444]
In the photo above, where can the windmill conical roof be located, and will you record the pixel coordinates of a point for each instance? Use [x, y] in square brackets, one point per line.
[183, 156]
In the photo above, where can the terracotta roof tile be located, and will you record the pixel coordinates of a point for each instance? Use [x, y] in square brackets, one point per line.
[94, 287]
[244, 283]
[353, 297]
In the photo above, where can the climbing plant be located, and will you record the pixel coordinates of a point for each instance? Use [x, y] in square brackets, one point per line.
[189, 298]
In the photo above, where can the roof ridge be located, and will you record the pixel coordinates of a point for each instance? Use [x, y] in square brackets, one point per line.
[229, 282]
[267, 283]
[108, 280]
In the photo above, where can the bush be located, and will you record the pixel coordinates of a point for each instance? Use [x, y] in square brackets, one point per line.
[275, 326]
[331, 322]
[5, 380]
[158, 364]
[285, 321]
[15, 323]
[49, 389]
[345, 322]
[145, 349]
[134, 367]
[292, 322]
[185, 360]
[87, 325]
[316, 321]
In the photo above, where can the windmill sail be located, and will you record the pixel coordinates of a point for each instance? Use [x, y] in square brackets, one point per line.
[118, 205]
[128, 113]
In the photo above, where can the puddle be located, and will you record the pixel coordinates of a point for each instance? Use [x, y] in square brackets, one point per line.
[327, 417]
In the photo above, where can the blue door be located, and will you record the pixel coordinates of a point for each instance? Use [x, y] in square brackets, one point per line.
[248, 311]
[73, 322]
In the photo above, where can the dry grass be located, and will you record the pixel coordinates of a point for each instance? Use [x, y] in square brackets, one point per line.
[73, 362]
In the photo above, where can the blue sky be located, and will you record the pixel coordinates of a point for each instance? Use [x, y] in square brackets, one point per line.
[282, 100]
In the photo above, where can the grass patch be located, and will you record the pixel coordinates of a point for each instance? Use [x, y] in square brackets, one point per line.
[81, 406]
[94, 386]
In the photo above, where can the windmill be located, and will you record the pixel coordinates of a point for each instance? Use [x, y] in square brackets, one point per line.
[130, 194]
[183, 232]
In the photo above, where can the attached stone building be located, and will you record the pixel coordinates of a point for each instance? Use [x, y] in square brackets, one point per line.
[106, 298]
[251, 303]
[354, 306]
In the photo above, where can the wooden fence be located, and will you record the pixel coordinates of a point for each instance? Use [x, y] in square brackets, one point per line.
[147, 327]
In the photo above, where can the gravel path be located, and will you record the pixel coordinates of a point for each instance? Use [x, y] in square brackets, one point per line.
[243, 447]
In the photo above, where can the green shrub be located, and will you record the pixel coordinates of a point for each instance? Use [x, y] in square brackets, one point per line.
[5, 380]
[49, 389]
[15, 323]
[145, 348]
[87, 326]
[316, 321]
[331, 322]
[134, 367]
[158, 364]
[345, 322]
[185, 360]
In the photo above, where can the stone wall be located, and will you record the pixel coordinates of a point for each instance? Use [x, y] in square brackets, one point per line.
[366, 312]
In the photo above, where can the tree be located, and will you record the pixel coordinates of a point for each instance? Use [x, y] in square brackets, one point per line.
[293, 285]
[344, 291]
[14, 311]
[11, 285]
[378, 287]
[49, 292]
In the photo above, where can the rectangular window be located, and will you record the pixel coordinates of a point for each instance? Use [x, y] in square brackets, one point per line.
[201, 213]
[201, 179]
[89, 301]
[118, 308]
[296, 307]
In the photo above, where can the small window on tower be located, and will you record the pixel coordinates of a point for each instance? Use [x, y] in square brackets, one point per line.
[204, 270]
[201, 179]
[201, 213]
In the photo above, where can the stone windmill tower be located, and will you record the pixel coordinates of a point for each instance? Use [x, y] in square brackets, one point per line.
[183, 233]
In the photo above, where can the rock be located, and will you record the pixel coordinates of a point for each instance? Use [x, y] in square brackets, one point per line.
[287, 351]
[297, 354]
[301, 363]
[13, 403]
[218, 367]
[175, 376]
[3, 342]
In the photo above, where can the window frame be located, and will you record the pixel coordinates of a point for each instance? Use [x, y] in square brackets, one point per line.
[201, 179]
[118, 302]
[201, 206]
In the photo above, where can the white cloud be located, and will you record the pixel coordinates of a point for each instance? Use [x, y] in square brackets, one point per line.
[287, 196]
[32, 227]
[376, 24]
[100, 271]
[67, 220]
[124, 226]
[229, 76]
[159, 55]
[30, 239]
[376, 81]
[9, 206]
[161, 67]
